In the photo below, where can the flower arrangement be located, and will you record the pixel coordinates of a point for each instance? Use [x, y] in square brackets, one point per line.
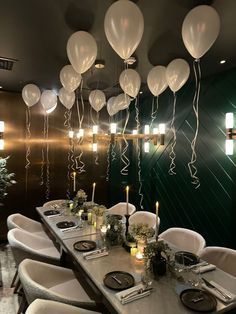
[6, 179]
[141, 231]
[156, 247]
[114, 230]
[78, 200]
[99, 210]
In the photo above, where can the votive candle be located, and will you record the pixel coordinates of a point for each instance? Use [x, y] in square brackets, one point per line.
[133, 251]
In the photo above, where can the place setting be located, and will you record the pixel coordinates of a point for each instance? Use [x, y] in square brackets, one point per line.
[89, 249]
[66, 226]
[52, 213]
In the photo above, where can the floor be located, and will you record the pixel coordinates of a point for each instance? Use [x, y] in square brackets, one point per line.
[8, 301]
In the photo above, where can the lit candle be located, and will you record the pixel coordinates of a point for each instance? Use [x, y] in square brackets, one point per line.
[139, 255]
[80, 213]
[103, 229]
[74, 181]
[127, 200]
[157, 227]
[133, 251]
[94, 185]
[94, 224]
[89, 218]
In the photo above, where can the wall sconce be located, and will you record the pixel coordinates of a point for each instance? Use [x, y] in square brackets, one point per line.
[230, 133]
[113, 132]
[95, 132]
[146, 147]
[71, 134]
[135, 132]
[95, 147]
[2, 128]
[155, 133]
[80, 133]
[162, 131]
[146, 129]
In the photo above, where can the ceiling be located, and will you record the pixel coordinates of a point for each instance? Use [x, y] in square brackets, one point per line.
[35, 33]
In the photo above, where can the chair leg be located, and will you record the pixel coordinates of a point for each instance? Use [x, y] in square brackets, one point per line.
[14, 279]
[23, 305]
[18, 287]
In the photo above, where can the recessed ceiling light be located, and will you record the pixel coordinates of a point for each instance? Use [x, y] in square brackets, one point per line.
[222, 61]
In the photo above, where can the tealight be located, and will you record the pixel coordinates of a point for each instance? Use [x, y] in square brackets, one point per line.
[103, 229]
[139, 255]
[133, 251]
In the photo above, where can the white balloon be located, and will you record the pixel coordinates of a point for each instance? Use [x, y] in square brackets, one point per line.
[81, 51]
[48, 100]
[66, 98]
[31, 94]
[110, 106]
[124, 26]
[177, 74]
[200, 29]
[156, 80]
[130, 82]
[69, 78]
[97, 99]
[51, 109]
[122, 102]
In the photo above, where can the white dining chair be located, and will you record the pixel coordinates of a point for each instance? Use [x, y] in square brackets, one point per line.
[40, 306]
[26, 245]
[184, 239]
[144, 217]
[55, 203]
[222, 257]
[22, 222]
[121, 209]
[50, 282]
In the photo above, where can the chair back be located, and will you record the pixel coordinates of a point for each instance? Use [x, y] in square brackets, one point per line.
[54, 203]
[144, 217]
[184, 239]
[224, 258]
[121, 209]
[22, 222]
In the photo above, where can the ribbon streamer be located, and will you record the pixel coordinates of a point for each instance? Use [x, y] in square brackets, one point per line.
[172, 154]
[43, 148]
[124, 158]
[154, 112]
[138, 155]
[108, 161]
[27, 152]
[47, 193]
[192, 168]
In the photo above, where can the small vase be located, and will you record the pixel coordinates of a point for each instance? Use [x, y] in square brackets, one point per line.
[99, 222]
[158, 263]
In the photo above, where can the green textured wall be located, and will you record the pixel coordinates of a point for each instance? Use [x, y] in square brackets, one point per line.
[211, 209]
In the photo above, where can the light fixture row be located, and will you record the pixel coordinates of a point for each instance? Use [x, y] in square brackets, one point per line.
[230, 133]
[2, 129]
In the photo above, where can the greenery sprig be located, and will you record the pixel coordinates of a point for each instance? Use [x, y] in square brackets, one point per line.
[6, 179]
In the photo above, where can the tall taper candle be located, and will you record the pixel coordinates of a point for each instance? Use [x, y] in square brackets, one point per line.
[127, 200]
[74, 181]
[157, 227]
[94, 185]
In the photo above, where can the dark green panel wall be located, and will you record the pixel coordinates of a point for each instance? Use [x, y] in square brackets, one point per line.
[211, 209]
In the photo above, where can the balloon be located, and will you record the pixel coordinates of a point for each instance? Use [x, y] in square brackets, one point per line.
[130, 82]
[97, 99]
[177, 73]
[48, 100]
[69, 78]
[156, 80]
[124, 26]
[31, 94]
[200, 29]
[110, 106]
[51, 109]
[122, 102]
[81, 51]
[67, 99]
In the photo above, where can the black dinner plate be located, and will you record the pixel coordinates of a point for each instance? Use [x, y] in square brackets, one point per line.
[51, 212]
[118, 280]
[186, 258]
[65, 224]
[198, 300]
[85, 246]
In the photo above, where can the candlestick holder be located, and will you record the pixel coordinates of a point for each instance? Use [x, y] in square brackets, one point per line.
[127, 225]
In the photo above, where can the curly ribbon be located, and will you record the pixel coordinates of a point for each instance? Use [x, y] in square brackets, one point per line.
[96, 161]
[138, 155]
[47, 193]
[27, 152]
[192, 168]
[172, 154]
[43, 148]
[67, 116]
[108, 161]
[154, 111]
[124, 158]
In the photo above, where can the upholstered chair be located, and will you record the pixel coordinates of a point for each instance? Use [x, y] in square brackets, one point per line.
[54, 203]
[222, 257]
[40, 306]
[184, 239]
[144, 217]
[50, 282]
[121, 209]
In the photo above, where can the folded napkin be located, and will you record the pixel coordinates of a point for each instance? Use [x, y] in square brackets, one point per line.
[132, 297]
[55, 215]
[69, 228]
[217, 294]
[204, 269]
[95, 254]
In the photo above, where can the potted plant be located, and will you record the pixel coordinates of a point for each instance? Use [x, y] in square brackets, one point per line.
[141, 232]
[6, 179]
[99, 211]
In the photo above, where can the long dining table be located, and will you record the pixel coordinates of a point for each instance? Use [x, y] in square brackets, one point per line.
[164, 298]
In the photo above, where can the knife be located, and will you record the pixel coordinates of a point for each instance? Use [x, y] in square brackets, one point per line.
[210, 285]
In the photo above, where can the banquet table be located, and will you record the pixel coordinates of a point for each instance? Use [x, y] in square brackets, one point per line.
[162, 300]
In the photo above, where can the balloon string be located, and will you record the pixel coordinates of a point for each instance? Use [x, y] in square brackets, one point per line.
[124, 158]
[96, 161]
[80, 165]
[154, 111]
[138, 155]
[27, 152]
[67, 116]
[91, 115]
[47, 195]
[42, 151]
[191, 166]
[68, 171]
[172, 154]
[108, 161]
[113, 152]
[82, 104]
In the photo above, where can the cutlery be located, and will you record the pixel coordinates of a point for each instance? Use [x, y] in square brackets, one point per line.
[116, 279]
[208, 284]
[71, 229]
[196, 300]
[135, 292]
[198, 265]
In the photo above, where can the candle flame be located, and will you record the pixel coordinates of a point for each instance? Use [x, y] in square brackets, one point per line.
[127, 188]
[94, 183]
